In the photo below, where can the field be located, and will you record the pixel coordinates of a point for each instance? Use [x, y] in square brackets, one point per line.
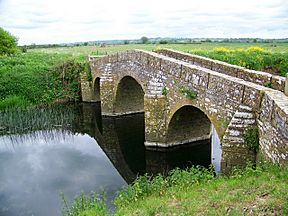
[193, 47]
[269, 57]
[48, 75]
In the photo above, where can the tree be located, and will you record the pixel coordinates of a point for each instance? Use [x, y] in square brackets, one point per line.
[8, 43]
[144, 39]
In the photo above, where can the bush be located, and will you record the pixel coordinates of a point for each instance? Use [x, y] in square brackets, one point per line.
[8, 43]
[163, 42]
[39, 78]
[251, 138]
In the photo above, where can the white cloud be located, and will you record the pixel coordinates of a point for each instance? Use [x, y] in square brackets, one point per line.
[56, 21]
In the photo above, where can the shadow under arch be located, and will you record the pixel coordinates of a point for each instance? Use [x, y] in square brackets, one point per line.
[97, 89]
[187, 125]
[129, 96]
[190, 132]
[218, 126]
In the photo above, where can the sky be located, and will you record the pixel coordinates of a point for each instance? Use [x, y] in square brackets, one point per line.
[64, 21]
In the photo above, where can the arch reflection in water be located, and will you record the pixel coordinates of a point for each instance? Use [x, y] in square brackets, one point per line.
[123, 142]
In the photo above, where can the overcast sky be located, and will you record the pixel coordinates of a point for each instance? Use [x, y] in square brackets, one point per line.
[57, 21]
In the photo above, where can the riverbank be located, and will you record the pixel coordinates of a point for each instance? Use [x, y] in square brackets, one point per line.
[39, 78]
[260, 191]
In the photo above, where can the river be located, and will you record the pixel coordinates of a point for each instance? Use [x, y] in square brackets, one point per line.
[72, 149]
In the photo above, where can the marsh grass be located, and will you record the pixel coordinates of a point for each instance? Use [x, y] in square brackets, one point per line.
[29, 119]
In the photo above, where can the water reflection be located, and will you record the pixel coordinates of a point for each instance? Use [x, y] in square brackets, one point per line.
[75, 150]
[36, 166]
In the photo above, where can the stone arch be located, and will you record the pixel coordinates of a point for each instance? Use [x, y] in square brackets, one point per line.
[188, 124]
[96, 88]
[129, 96]
[220, 130]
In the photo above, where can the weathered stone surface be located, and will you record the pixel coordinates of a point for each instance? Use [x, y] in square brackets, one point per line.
[258, 77]
[234, 149]
[87, 92]
[231, 97]
[155, 121]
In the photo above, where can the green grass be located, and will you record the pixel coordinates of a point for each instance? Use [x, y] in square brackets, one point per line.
[271, 57]
[38, 78]
[255, 57]
[260, 191]
[84, 51]
[83, 205]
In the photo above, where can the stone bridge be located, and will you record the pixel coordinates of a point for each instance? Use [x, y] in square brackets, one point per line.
[183, 95]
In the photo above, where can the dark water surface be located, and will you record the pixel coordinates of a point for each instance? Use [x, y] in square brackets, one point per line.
[71, 149]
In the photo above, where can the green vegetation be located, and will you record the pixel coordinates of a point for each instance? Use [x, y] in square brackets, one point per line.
[26, 120]
[84, 51]
[187, 92]
[38, 78]
[8, 43]
[270, 57]
[164, 91]
[83, 205]
[144, 40]
[260, 191]
[251, 138]
[254, 57]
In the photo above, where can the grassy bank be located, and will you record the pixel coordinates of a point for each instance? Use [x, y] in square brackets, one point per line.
[260, 191]
[38, 78]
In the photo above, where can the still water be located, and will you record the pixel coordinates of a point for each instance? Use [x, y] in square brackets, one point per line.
[71, 149]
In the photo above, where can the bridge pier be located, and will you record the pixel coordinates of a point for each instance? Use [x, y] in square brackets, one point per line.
[155, 120]
[107, 96]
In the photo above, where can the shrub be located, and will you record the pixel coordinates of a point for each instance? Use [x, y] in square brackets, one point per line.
[85, 205]
[8, 43]
[163, 42]
[251, 138]
[187, 92]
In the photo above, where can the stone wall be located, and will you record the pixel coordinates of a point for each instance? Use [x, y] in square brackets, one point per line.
[273, 126]
[258, 77]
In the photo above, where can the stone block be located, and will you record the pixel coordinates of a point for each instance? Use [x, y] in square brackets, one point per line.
[278, 83]
[171, 68]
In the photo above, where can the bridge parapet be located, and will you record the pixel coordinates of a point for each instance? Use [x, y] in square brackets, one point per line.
[272, 121]
[258, 77]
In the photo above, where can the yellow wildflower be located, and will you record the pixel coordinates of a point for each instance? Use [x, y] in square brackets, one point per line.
[255, 49]
[222, 50]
